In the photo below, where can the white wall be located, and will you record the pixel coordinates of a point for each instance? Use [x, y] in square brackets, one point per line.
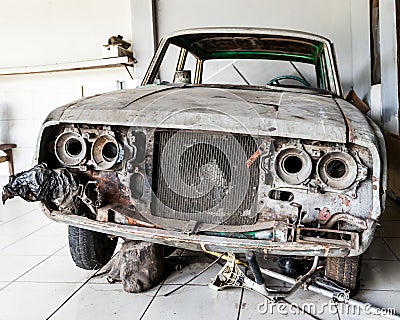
[389, 67]
[37, 32]
[143, 34]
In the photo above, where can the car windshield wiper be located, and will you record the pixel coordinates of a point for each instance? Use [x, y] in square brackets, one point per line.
[298, 71]
[240, 74]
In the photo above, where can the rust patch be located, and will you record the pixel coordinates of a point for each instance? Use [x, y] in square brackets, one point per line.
[345, 200]
[253, 158]
[324, 214]
[350, 128]
[110, 187]
[262, 148]
[135, 222]
[375, 179]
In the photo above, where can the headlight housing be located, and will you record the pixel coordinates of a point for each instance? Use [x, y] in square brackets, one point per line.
[70, 148]
[337, 169]
[293, 165]
[105, 151]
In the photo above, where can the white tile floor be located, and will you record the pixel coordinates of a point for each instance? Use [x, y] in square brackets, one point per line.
[38, 280]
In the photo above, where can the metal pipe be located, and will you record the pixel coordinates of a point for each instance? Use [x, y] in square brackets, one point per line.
[346, 218]
[296, 284]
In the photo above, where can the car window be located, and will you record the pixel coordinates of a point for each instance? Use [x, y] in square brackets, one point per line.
[168, 65]
[256, 72]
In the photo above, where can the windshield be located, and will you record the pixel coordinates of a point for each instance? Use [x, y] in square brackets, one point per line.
[254, 60]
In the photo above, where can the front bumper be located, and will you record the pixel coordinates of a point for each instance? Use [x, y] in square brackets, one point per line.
[199, 242]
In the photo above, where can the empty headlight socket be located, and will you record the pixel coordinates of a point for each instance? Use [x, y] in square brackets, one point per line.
[293, 165]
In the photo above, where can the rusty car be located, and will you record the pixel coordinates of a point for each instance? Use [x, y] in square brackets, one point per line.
[237, 140]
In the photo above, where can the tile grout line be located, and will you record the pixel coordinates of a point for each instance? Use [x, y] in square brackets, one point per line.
[29, 234]
[307, 314]
[30, 269]
[19, 217]
[240, 304]
[380, 290]
[389, 237]
[152, 299]
[55, 282]
[186, 285]
[73, 293]
[390, 248]
[76, 291]
[48, 257]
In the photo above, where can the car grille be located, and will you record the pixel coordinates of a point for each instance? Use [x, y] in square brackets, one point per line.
[204, 177]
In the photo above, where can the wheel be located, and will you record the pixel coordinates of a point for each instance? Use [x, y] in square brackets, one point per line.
[168, 250]
[89, 249]
[345, 272]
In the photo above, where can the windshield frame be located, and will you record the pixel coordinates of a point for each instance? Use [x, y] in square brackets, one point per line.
[326, 61]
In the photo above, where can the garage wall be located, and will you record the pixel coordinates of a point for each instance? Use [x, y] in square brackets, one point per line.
[37, 32]
[389, 67]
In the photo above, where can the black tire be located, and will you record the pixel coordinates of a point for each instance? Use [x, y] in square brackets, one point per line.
[345, 272]
[90, 250]
[168, 250]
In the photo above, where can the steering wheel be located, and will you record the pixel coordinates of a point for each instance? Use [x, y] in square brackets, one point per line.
[275, 81]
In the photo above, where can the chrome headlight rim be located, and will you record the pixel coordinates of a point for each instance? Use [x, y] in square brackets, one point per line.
[70, 148]
[337, 170]
[293, 165]
[105, 151]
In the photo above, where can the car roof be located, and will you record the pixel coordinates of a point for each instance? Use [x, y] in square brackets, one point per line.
[254, 43]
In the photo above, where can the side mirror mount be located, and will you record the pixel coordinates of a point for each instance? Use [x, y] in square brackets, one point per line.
[183, 76]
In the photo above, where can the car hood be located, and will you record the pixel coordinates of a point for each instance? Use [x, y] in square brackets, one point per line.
[252, 111]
